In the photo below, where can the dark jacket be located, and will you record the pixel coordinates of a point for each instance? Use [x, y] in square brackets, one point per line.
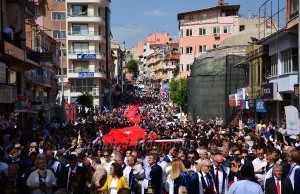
[156, 175]
[79, 180]
[286, 186]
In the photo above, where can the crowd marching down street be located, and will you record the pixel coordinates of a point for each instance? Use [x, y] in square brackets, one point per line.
[140, 147]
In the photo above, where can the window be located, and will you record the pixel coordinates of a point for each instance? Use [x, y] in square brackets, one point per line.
[191, 17]
[202, 48]
[242, 28]
[215, 46]
[80, 48]
[188, 32]
[181, 33]
[80, 29]
[189, 50]
[81, 85]
[37, 11]
[58, 15]
[79, 10]
[56, 34]
[274, 63]
[188, 67]
[216, 30]
[202, 31]
[294, 10]
[58, 0]
[289, 61]
[80, 66]
[226, 29]
[181, 50]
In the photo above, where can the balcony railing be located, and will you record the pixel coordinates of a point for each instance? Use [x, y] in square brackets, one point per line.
[85, 33]
[77, 70]
[37, 78]
[33, 55]
[86, 52]
[50, 57]
[34, 77]
[83, 14]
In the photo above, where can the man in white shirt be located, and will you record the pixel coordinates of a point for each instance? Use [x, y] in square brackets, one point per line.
[259, 164]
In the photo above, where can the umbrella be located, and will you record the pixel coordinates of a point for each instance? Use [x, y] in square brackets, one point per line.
[127, 136]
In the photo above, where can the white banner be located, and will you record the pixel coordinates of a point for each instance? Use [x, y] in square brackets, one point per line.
[292, 120]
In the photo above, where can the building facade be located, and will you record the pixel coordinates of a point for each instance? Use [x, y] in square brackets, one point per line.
[205, 29]
[89, 63]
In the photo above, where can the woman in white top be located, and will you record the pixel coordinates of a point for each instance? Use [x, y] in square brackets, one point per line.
[42, 180]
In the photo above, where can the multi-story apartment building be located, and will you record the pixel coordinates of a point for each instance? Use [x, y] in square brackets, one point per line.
[28, 63]
[144, 50]
[204, 29]
[281, 68]
[88, 46]
[52, 20]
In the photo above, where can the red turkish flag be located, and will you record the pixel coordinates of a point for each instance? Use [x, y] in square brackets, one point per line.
[131, 112]
[125, 136]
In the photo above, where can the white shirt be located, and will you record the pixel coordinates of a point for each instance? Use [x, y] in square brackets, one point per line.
[220, 177]
[113, 186]
[258, 164]
[33, 181]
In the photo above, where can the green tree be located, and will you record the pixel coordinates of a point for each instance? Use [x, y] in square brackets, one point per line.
[178, 93]
[132, 67]
[86, 100]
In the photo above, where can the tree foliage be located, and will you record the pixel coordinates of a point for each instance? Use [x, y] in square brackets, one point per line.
[86, 100]
[132, 67]
[178, 93]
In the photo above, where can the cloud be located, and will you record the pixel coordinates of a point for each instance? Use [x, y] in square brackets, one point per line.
[155, 12]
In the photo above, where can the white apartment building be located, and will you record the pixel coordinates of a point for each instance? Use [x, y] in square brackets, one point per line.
[88, 49]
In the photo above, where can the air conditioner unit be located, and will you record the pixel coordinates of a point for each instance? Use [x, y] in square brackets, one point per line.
[95, 91]
[217, 35]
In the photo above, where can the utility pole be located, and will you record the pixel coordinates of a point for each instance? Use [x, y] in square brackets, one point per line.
[122, 66]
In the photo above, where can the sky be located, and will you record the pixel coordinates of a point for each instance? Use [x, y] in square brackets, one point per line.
[133, 20]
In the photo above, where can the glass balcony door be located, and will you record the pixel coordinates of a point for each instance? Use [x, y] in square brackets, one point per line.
[80, 29]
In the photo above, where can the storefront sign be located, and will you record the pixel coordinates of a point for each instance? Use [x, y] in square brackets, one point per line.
[269, 90]
[233, 100]
[85, 74]
[260, 105]
[86, 56]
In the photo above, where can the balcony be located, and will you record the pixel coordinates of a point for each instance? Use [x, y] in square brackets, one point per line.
[16, 58]
[99, 18]
[50, 57]
[83, 35]
[86, 73]
[88, 55]
[33, 77]
[33, 57]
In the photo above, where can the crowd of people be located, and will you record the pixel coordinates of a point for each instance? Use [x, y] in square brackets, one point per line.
[204, 157]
